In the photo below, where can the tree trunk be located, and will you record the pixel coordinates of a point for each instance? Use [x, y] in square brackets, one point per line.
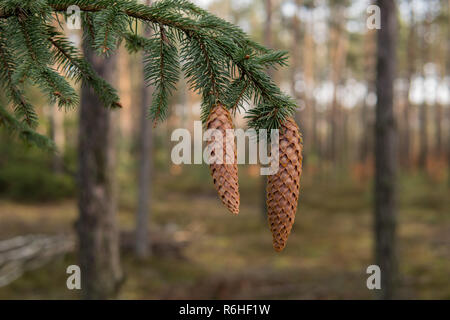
[385, 150]
[423, 135]
[411, 50]
[142, 245]
[423, 113]
[447, 68]
[438, 114]
[301, 114]
[267, 43]
[366, 142]
[101, 272]
[339, 39]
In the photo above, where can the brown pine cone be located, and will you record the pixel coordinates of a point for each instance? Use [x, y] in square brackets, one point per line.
[225, 176]
[283, 186]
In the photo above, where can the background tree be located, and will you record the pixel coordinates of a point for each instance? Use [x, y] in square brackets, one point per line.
[423, 111]
[97, 227]
[385, 150]
[338, 54]
[405, 154]
[142, 246]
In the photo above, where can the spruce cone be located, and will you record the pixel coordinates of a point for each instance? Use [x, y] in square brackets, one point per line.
[225, 176]
[283, 186]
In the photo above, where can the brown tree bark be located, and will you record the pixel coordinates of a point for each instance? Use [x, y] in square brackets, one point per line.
[338, 38]
[385, 150]
[405, 155]
[423, 136]
[447, 68]
[423, 112]
[142, 245]
[295, 59]
[438, 114]
[101, 272]
[366, 143]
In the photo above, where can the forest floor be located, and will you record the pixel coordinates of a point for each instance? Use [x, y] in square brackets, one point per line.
[230, 257]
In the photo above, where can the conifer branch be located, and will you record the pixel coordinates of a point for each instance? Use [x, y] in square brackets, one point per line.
[26, 133]
[212, 50]
[23, 108]
[69, 59]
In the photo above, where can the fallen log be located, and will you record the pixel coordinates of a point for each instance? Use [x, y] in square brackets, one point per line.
[29, 252]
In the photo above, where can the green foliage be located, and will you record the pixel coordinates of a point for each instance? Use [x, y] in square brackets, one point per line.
[109, 23]
[70, 61]
[161, 70]
[218, 59]
[31, 183]
[24, 132]
[26, 175]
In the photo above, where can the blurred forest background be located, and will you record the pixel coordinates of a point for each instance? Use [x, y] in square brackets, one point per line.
[178, 242]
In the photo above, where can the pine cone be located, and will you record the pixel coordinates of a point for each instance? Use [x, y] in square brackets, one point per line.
[225, 176]
[283, 186]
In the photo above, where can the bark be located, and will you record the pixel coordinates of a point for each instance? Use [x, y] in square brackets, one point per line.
[447, 67]
[423, 136]
[97, 230]
[268, 25]
[411, 49]
[338, 56]
[423, 113]
[310, 74]
[142, 245]
[385, 151]
[301, 114]
[438, 114]
[366, 143]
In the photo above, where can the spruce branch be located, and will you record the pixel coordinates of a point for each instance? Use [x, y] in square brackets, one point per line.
[111, 22]
[23, 109]
[218, 58]
[72, 63]
[25, 133]
[161, 71]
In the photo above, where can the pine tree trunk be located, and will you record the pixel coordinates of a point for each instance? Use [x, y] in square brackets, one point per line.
[145, 169]
[405, 156]
[142, 245]
[101, 272]
[438, 114]
[423, 135]
[385, 150]
[447, 68]
[411, 50]
[338, 57]
[366, 142]
[423, 113]
[296, 58]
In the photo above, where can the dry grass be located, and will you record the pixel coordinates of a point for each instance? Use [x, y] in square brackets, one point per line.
[231, 257]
